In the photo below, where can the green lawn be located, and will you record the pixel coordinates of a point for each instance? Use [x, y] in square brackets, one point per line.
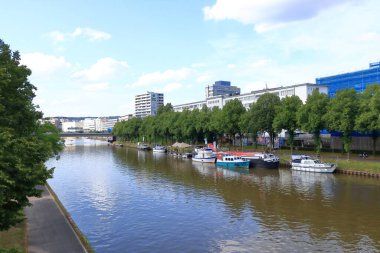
[371, 164]
[14, 238]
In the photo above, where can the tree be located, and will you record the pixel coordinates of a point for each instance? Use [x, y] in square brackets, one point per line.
[25, 143]
[232, 113]
[216, 123]
[341, 115]
[286, 117]
[264, 113]
[165, 109]
[368, 119]
[310, 116]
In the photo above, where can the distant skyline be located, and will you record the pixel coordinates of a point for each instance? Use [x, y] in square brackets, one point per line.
[90, 58]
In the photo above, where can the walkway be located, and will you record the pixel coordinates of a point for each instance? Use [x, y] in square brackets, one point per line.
[48, 229]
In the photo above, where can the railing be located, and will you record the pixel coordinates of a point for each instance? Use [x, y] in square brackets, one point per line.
[86, 134]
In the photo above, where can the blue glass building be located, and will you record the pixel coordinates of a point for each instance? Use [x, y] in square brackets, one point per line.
[357, 79]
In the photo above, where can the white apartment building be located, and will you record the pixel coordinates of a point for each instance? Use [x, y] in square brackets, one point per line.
[125, 117]
[104, 124]
[148, 103]
[300, 90]
[89, 125]
[72, 126]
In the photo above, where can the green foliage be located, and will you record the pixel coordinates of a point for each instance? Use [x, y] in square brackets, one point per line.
[286, 117]
[269, 114]
[341, 114]
[25, 144]
[368, 118]
[264, 113]
[165, 109]
[232, 113]
[248, 124]
[310, 116]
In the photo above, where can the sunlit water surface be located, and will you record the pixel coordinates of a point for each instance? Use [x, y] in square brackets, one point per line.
[125, 200]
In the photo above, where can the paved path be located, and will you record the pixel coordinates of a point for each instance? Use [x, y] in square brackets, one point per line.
[48, 229]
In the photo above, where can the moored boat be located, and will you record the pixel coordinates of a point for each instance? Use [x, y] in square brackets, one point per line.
[305, 163]
[159, 149]
[231, 161]
[204, 155]
[142, 146]
[259, 160]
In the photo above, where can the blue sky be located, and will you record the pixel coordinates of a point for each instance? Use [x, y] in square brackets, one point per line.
[90, 58]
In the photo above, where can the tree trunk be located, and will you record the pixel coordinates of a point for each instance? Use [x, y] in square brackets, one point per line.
[374, 138]
[291, 140]
[317, 141]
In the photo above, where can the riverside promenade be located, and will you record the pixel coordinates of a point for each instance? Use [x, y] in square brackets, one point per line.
[48, 229]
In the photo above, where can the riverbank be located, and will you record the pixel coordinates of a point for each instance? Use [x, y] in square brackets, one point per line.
[50, 228]
[47, 227]
[74, 226]
[355, 166]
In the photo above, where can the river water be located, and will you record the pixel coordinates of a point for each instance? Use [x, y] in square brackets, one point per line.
[125, 200]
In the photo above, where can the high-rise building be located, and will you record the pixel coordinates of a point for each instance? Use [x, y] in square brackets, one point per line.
[357, 79]
[148, 103]
[221, 88]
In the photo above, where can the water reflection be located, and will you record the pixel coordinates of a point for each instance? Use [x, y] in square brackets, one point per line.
[130, 200]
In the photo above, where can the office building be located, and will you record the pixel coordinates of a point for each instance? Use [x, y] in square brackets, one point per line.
[300, 90]
[148, 103]
[221, 88]
[357, 79]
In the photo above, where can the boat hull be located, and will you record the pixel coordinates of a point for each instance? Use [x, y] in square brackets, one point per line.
[159, 150]
[326, 169]
[244, 164]
[204, 160]
[259, 163]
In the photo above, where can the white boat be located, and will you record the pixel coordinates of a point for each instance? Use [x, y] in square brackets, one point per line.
[204, 155]
[231, 160]
[305, 163]
[142, 146]
[159, 149]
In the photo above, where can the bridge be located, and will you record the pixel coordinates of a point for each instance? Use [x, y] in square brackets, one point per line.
[86, 135]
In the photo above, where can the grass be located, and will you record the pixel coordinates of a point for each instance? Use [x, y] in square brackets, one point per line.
[371, 164]
[14, 238]
[357, 165]
[81, 237]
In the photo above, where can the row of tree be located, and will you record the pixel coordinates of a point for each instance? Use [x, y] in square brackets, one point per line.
[347, 112]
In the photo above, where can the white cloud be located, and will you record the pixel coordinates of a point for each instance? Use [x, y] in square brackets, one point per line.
[85, 32]
[171, 87]
[43, 65]
[204, 78]
[96, 87]
[162, 77]
[231, 66]
[369, 37]
[104, 69]
[267, 14]
[57, 36]
[90, 34]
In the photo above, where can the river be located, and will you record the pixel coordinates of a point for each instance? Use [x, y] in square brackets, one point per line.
[126, 200]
